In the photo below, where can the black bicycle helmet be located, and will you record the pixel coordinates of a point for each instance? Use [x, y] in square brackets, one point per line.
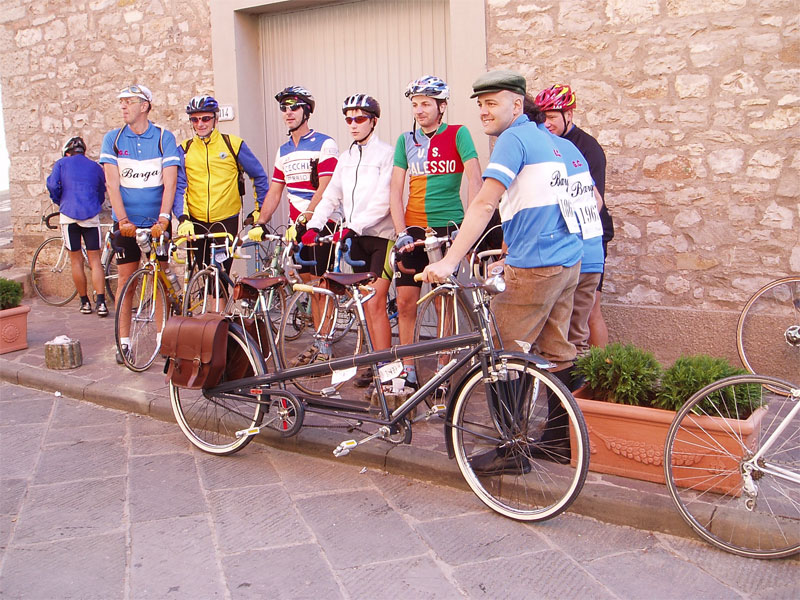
[298, 92]
[75, 145]
[202, 104]
[361, 101]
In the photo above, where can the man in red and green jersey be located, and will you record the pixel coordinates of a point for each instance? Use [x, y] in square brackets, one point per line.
[436, 157]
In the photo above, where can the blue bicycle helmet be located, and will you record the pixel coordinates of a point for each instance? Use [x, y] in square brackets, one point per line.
[202, 104]
[430, 86]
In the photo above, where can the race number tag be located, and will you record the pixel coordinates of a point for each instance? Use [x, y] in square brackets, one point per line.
[390, 370]
[343, 375]
[588, 216]
[568, 212]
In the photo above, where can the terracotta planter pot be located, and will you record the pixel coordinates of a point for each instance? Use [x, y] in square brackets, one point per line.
[14, 328]
[629, 441]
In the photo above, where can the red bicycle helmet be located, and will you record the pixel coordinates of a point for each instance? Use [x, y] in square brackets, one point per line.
[557, 97]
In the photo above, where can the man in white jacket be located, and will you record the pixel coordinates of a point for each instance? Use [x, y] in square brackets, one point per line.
[360, 189]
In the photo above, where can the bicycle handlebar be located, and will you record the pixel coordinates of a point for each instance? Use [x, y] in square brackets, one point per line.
[46, 220]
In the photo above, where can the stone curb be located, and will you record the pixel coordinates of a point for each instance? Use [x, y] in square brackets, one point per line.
[615, 500]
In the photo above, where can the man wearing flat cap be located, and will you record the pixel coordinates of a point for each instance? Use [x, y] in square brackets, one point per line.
[140, 161]
[527, 177]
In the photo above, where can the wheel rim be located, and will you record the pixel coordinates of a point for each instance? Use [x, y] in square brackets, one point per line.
[735, 505]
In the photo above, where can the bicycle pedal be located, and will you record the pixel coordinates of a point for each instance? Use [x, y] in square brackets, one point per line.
[344, 448]
[249, 431]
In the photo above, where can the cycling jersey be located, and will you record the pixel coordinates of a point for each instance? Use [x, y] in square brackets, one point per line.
[208, 177]
[435, 165]
[78, 185]
[360, 187]
[581, 188]
[526, 161]
[294, 164]
[140, 161]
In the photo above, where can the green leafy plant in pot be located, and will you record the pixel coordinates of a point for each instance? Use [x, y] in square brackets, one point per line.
[10, 293]
[620, 373]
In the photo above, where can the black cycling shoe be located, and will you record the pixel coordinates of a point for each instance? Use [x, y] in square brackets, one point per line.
[102, 309]
[86, 308]
[498, 461]
[126, 350]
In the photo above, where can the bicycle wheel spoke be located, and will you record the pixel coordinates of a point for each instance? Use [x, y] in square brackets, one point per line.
[520, 441]
[737, 482]
[51, 274]
[211, 421]
[143, 303]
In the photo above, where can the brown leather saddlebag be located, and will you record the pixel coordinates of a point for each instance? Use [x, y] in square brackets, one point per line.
[195, 348]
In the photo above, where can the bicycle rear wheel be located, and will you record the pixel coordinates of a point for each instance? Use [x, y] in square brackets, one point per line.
[768, 331]
[149, 310]
[441, 314]
[748, 509]
[520, 440]
[205, 293]
[316, 344]
[51, 272]
[210, 420]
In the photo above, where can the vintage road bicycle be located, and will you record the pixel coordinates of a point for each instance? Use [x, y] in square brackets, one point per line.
[515, 431]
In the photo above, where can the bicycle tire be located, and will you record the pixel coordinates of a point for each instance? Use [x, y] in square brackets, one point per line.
[321, 348]
[764, 326]
[705, 465]
[200, 294]
[111, 278]
[210, 421]
[297, 320]
[429, 326]
[540, 465]
[51, 272]
[148, 314]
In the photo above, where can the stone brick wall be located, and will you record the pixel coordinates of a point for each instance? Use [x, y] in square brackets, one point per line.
[697, 105]
[62, 65]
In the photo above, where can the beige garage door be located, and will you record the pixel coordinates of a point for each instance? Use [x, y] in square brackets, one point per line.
[373, 46]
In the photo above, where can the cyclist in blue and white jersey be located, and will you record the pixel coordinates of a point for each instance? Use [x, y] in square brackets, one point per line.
[140, 161]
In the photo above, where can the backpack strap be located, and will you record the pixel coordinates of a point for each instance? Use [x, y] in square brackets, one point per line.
[227, 140]
[186, 145]
[160, 141]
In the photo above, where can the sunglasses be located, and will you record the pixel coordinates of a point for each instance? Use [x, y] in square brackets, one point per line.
[204, 119]
[292, 107]
[359, 119]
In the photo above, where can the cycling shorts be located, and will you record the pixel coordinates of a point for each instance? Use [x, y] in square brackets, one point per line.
[127, 250]
[417, 259]
[73, 233]
[374, 251]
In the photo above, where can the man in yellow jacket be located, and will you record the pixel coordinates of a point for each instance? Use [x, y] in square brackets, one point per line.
[210, 180]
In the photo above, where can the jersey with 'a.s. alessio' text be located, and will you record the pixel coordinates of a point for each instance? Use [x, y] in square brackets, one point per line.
[435, 166]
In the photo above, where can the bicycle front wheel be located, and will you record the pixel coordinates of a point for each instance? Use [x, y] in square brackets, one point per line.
[768, 331]
[51, 272]
[205, 293]
[211, 421]
[519, 439]
[317, 344]
[144, 302]
[110, 271]
[734, 485]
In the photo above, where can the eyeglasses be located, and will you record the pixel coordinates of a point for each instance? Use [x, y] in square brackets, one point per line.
[129, 101]
[292, 107]
[204, 119]
[359, 119]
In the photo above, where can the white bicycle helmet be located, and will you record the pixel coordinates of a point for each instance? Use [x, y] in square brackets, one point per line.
[361, 101]
[430, 86]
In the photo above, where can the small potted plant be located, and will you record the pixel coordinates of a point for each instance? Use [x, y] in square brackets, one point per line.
[13, 317]
[629, 402]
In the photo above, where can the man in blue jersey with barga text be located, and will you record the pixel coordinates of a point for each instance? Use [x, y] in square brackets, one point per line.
[140, 161]
[526, 171]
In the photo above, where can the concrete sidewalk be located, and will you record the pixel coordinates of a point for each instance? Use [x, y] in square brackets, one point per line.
[100, 380]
